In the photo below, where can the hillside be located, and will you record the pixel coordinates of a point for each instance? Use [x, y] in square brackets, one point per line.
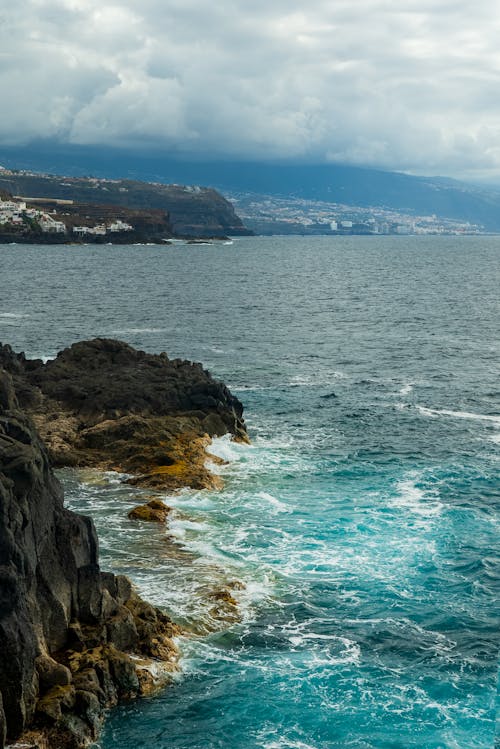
[335, 183]
[192, 211]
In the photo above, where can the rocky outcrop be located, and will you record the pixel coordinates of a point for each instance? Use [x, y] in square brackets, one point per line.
[102, 403]
[154, 511]
[74, 640]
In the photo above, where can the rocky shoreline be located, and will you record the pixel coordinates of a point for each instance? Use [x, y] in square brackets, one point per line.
[76, 640]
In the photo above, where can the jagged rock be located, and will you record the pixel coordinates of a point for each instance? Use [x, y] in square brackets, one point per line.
[101, 403]
[64, 625]
[51, 674]
[225, 606]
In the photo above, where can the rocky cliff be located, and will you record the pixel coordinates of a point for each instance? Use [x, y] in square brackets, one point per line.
[74, 640]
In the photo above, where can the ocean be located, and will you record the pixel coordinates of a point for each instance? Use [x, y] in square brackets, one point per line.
[361, 524]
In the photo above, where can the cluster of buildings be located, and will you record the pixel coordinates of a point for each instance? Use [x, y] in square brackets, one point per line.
[102, 229]
[16, 213]
[272, 215]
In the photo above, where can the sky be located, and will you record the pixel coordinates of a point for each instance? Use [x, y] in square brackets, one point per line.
[398, 84]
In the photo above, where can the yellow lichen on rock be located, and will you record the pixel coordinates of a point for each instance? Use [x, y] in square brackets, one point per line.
[154, 511]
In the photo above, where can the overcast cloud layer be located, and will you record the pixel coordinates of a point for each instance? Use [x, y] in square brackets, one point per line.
[396, 83]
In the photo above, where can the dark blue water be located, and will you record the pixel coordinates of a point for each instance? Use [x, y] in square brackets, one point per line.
[363, 520]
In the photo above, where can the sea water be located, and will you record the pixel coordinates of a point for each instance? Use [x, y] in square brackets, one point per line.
[362, 521]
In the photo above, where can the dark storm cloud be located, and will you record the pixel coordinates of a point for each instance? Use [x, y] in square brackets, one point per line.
[402, 84]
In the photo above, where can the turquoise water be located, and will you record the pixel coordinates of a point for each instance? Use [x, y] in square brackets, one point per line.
[362, 520]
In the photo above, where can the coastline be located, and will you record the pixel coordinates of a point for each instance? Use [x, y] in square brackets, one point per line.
[102, 643]
[362, 516]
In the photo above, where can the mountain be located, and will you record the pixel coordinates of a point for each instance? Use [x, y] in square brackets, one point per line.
[333, 183]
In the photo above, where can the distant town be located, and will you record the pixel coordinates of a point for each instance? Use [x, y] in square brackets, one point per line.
[108, 210]
[266, 214]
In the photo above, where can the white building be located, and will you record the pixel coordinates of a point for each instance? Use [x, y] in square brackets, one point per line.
[81, 231]
[119, 225]
[49, 224]
[10, 206]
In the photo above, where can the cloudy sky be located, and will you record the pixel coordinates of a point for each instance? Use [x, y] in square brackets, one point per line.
[394, 83]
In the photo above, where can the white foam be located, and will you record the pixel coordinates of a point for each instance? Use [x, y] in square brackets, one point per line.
[225, 448]
[277, 504]
[139, 330]
[178, 528]
[286, 744]
[402, 406]
[190, 500]
[251, 388]
[435, 412]
[406, 389]
[12, 315]
[418, 501]
[312, 380]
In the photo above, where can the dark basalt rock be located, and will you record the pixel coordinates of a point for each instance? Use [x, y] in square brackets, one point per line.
[64, 625]
[105, 379]
[102, 403]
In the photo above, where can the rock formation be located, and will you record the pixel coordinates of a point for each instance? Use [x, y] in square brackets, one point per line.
[154, 511]
[101, 403]
[67, 630]
[75, 640]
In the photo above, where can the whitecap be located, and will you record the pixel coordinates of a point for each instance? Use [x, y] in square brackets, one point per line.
[139, 330]
[435, 412]
[416, 500]
[226, 449]
[402, 406]
[13, 315]
[178, 528]
[189, 500]
[286, 744]
[406, 389]
[277, 504]
[312, 380]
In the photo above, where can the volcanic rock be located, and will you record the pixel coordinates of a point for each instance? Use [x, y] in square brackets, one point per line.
[67, 630]
[103, 404]
[154, 511]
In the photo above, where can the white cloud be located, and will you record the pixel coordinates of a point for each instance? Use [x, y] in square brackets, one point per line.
[407, 85]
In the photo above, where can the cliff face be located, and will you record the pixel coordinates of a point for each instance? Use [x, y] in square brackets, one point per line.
[73, 639]
[193, 211]
[64, 624]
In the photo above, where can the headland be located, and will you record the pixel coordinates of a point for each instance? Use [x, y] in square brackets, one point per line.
[50, 209]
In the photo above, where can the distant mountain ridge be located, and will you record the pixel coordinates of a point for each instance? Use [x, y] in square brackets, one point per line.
[333, 183]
